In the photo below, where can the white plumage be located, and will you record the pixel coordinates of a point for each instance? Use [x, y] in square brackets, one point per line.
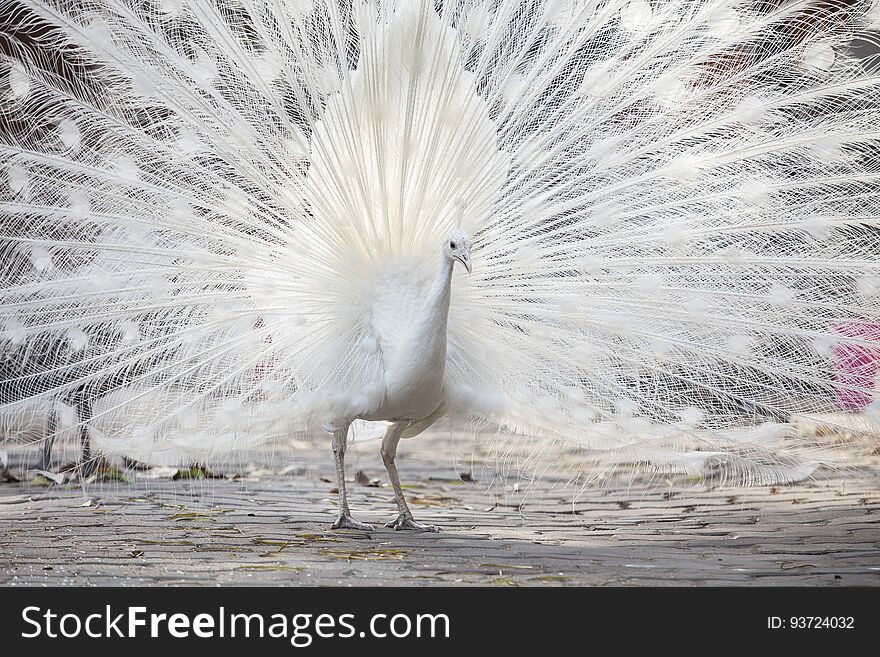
[228, 221]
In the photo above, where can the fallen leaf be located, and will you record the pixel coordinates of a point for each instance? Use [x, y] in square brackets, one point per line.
[377, 554]
[502, 581]
[158, 473]
[192, 515]
[54, 477]
[267, 568]
[434, 500]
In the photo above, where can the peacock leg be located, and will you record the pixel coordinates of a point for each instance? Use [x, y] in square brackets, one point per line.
[404, 519]
[344, 520]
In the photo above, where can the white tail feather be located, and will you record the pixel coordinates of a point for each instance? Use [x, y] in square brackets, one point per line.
[211, 205]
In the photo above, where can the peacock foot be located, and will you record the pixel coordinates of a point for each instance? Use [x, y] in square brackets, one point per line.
[408, 524]
[345, 521]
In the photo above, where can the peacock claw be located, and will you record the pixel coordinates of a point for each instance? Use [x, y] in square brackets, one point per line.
[408, 524]
[345, 521]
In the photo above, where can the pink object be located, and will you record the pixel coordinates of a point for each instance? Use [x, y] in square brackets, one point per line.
[856, 365]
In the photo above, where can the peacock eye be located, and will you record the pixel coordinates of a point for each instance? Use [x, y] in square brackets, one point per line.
[452, 245]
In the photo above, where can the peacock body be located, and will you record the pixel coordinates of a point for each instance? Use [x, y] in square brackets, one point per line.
[226, 222]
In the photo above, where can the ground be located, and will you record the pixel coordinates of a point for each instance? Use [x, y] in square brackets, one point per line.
[269, 525]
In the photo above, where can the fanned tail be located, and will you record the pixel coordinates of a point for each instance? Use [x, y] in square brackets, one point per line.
[673, 205]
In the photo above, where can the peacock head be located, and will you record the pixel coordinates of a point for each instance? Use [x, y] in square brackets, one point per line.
[458, 247]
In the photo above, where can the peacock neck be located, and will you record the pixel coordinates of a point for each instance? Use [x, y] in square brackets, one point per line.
[436, 309]
[429, 331]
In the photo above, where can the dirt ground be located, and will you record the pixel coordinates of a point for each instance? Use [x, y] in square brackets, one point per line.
[268, 524]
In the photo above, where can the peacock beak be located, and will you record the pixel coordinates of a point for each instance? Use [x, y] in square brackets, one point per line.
[465, 259]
